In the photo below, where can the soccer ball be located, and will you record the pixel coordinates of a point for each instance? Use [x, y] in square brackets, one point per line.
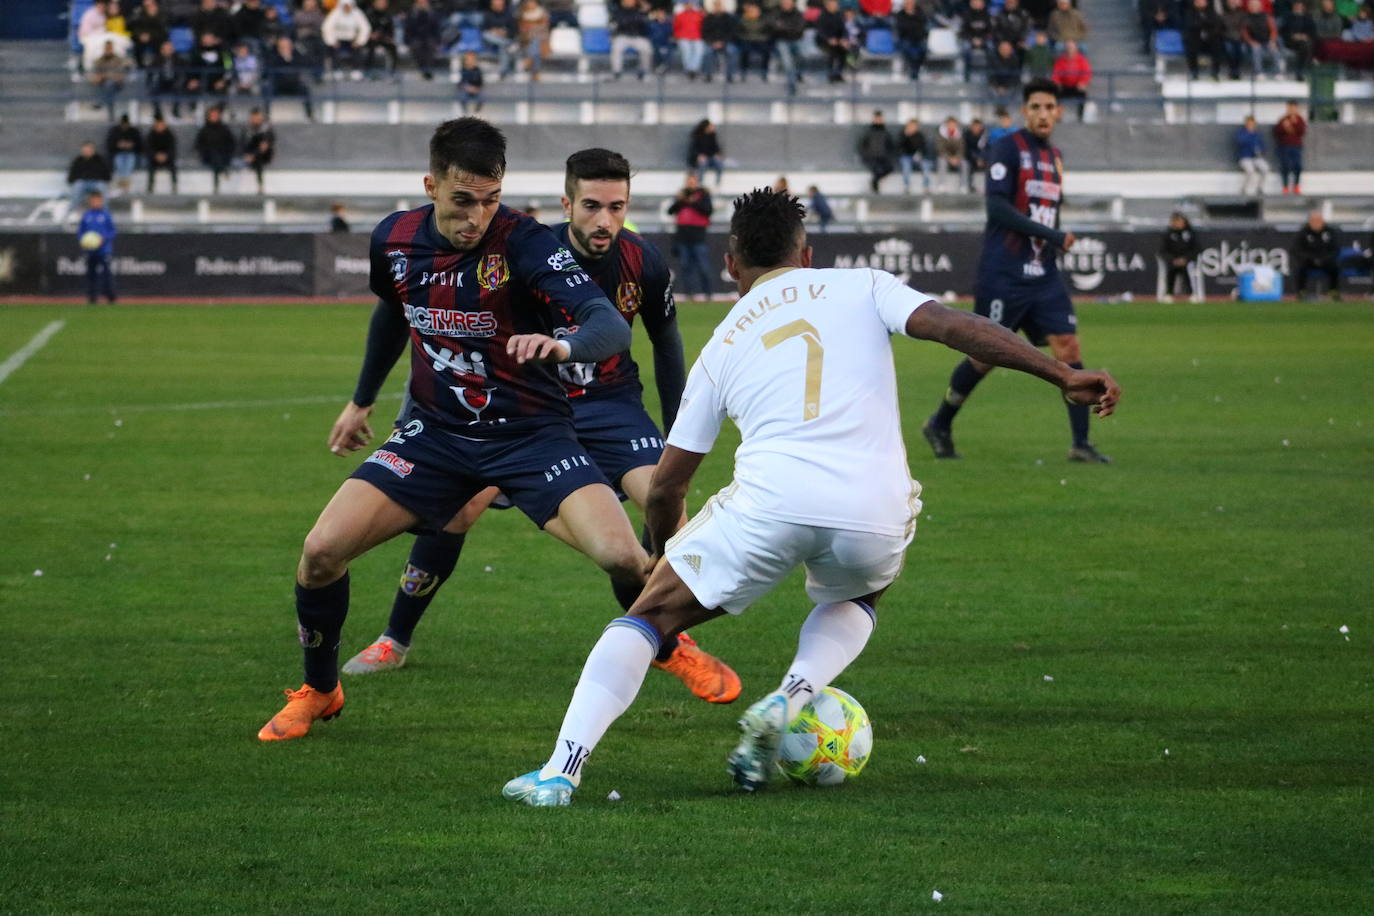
[91, 240]
[830, 741]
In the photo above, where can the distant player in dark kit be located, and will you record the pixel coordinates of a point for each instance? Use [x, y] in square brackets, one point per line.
[1018, 282]
[608, 410]
[475, 289]
[99, 276]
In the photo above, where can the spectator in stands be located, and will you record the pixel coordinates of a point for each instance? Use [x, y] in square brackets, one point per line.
[1039, 11]
[162, 152]
[1013, 24]
[212, 19]
[1362, 29]
[975, 35]
[913, 154]
[1289, 135]
[630, 32]
[878, 151]
[286, 76]
[107, 75]
[1262, 38]
[1178, 249]
[787, 26]
[532, 35]
[165, 76]
[692, 210]
[1202, 34]
[911, 32]
[1066, 24]
[215, 144]
[949, 151]
[345, 32]
[123, 144]
[755, 41]
[498, 35]
[1159, 15]
[855, 33]
[704, 152]
[248, 20]
[337, 221]
[1004, 70]
[272, 29]
[1317, 247]
[470, 84]
[308, 22]
[1329, 23]
[148, 28]
[1039, 57]
[99, 277]
[562, 12]
[247, 69]
[691, 50]
[1250, 156]
[820, 206]
[1233, 36]
[975, 149]
[719, 30]
[1002, 127]
[210, 69]
[87, 174]
[1299, 34]
[833, 39]
[1072, 73]
[422, 37]
[661, 37]
[258, 145]
[381, 37]
[92, 22]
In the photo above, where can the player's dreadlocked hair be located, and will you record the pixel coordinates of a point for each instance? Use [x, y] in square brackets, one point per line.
[595, 164]
[467, 145]
[1039, 84]
[766, 229]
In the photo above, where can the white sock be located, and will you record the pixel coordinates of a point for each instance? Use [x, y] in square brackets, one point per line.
[832, 637]
[610, 680]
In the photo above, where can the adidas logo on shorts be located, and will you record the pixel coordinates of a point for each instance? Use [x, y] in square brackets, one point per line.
[693, 560]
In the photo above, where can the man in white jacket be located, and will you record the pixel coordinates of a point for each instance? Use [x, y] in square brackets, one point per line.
[345, 32]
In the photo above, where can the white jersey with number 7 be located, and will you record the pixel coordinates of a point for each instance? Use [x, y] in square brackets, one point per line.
[803, 366]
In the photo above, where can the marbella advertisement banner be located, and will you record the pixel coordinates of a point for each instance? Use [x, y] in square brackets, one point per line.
[1108, 265]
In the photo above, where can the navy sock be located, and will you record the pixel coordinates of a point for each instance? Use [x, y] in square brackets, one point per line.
[320, 613]
[432, 559]
[1078, 418]
[961, 384]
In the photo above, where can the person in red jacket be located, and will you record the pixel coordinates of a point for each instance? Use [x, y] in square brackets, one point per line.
[1288, 139]
[691, 48]
[1072, 73]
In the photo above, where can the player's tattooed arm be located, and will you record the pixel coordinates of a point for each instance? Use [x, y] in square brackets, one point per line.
[664, 507]
[988, 342]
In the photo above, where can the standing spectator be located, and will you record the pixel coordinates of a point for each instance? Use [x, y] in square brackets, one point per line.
[1202, 34]
[975, 150]
[1039, 57]
[212, 19]
[1002, 127]
[1299, 36]
[832, 37]
[704, 152]
[345, 32]
[248, 20]
[162, 152]
[877, 149]
[1013, 24]
[308, 22]
[532, 35]
[381, 37]
[99, 276]
[259, 145]
[911, 29]
[470, 83]
[788, 27]
[88, 174]
[1250, 156]
[1262, 38]
[1072, 73]
[107, 75]
[949, 150]
[148, 28]
[691, 50]
[337, 222]
[719, 30]
[975, 35]
[692, 208]
[1004, 71]
[1289, 135]
[422, 37]
[1329, 24]
[1066, 24]
[755, 41]
[1317, 246]
[247, 69]
[123, 144]
[286, 76]
[498, 35]
[821, 207]
[215, 144]
[913, 154]
[630, 32]
[1178, 249]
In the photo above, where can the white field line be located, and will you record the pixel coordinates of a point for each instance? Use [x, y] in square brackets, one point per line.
[21, 356]
[199, 405]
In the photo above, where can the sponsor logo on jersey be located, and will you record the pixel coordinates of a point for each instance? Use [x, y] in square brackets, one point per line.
[451, 321]
[562, 259]
[1090, 260]
[628, 297]
[1045, 190]
[392, 462]
[398, 264]
[441, 278]
[493, 272]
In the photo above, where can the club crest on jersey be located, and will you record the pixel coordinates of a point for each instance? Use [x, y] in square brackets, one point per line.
[493, 272]
[398, 264]
[628, 297]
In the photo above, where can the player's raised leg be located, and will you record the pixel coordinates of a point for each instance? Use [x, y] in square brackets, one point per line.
[358, 518]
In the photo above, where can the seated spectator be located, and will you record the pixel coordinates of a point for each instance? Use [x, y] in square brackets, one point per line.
[661, 37]
[285, 76]
[247, 69]
[1039, 57]
[719, 30]
[345, 32]
[148, 29]
[1004, 70]
[258, 146]
[975, 35]
[1233, 36]
[470, 83]
[498, 35]
[1202, 34]
[91, 23]
[913, 154]
[532, 35]
[272, 29]
[1299, 36]
[209, 69]
[1329, 24]
[1158, 15]
[975, 149]
[855, 34]
[108, 74]
[787, 26]
[630, 32]
[212, 19]
[1250, 156]
[1317, 247]
[1066, 24]
[215, 144]
[381, 37]
[123, 144]
[704, 152]
[162, 152]
[165, 77]
[308, 22]
[820, 206]
[562, 12]
[1039, 11]
[949, 151]
[1262, 38]
[755, 40]
[1003, 126]
[88, 174]
[1362, 29]
[1013, 24]
[1178, 249]
[337, 221]
[691, 50]
[248, 19]
[911, 34]
[422, 37]
[1072, 73]
[833, 39]
[877, 150]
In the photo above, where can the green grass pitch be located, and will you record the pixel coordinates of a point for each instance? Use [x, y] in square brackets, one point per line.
[1128, 683]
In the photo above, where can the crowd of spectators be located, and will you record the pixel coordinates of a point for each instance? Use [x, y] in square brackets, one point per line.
[949, 159]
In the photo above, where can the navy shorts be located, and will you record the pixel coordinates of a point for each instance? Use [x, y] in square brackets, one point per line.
[618, 433]
[433, 472]
[1038, 311]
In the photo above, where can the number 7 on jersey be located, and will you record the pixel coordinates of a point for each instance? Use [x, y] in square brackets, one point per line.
[815, 357]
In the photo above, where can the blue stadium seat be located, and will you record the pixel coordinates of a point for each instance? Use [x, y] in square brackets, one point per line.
[596, 41]
[879, 41]
[1169, 42]
[469, 40]
[182, 38]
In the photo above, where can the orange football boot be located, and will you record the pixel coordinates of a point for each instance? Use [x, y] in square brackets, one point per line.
[705, 675]
[302, 708]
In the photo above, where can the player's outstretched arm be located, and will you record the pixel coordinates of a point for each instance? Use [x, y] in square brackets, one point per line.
[601, 332]
[989, 342]
[664, 507]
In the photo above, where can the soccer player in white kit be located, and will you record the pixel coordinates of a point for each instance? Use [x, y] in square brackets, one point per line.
[803, 366]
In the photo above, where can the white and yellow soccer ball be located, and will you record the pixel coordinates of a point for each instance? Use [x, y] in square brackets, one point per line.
[91, 240]
[829, 742]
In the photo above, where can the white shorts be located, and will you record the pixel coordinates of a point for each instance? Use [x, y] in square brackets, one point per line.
[730, 559]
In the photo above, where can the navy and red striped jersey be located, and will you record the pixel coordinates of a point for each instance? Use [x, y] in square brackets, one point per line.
[463, 306]
[1029, 172]
[636, 278]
